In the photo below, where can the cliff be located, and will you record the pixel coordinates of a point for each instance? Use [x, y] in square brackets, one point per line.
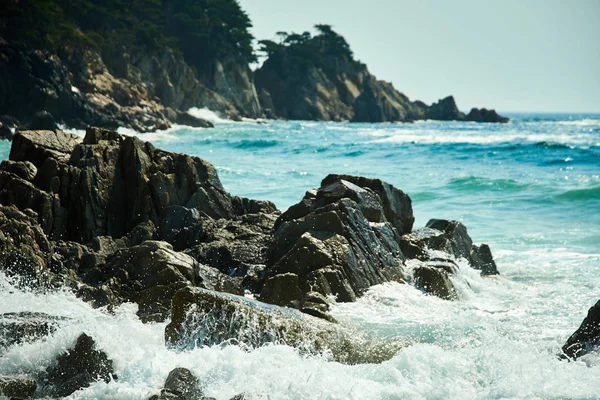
[317, 78]
[141, 64]
[122, 63]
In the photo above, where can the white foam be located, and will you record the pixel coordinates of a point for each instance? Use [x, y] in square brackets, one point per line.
[208, 115]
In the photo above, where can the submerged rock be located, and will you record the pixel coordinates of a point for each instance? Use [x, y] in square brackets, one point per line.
[204, 318]
[587, 337]
[77, 368]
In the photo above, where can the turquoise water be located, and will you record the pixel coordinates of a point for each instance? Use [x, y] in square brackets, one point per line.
[530, 189]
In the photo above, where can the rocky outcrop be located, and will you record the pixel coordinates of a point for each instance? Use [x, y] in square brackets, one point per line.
[587, 337]
[180, 384]
[339, 240]
[77, 368]
[204, 318]
[317, 78]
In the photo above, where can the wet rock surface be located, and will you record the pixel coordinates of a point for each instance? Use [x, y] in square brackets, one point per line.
[180, 384]
[21, 327]
[587, 337]
[17, 387]
[77, 368]
[117, 220]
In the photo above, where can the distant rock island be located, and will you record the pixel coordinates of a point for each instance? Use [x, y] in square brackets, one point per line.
[141, 65]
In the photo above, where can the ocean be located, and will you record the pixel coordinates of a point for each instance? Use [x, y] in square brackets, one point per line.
[530, 189]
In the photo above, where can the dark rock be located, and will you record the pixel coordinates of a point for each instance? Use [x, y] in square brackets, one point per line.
[434, 280]
[334, 249]
[23, 169]
[152, 272]
[485, 115]
[43, 121]
[281, 289]
[181, 384]
[203, 318]
[17, 387]
[185, 118]
[397, 205]
[23, 247]
[458, 242]
[481, 258]
[77, 368]
[587, 337]
[20, 327]
[446, 110]
[38, 146]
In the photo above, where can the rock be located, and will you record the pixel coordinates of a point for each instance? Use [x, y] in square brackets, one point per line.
[20, 327]
[435, 281]
[77, 368]
[181, 384]
[38, 146]
[485, 115]
[281, 289]
[23, 247]
[204, 318]
[481, 258]
[587, 337]
[457, 240]
[6, 133]
[446, 110]
[338, 240]
[397, 205]
[185, 118]
[17, 387]
[152, 272]
[23, 169]
[44, 121]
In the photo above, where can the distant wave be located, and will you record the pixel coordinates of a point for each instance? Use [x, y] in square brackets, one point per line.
[255, 144]
[476, 183]
[580, 194]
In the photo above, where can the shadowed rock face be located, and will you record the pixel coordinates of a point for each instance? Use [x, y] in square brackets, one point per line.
[338, 241]
[78, 368]
[587, 337]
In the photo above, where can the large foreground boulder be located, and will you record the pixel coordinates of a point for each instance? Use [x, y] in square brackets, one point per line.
[587, 337]
[203, 318]
[339, 240]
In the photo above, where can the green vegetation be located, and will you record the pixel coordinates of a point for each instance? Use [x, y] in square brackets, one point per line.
[322, 51]
[201, 30]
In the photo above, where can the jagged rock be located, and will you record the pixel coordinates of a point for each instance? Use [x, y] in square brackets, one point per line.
[587, 337]
[17, 387]
[43, 120]
[19, 327]
[485, 115]
[23, 169]
[23, 247]
[203, 318]
[481, 258]
[152, 272]
[38, 146]
[332, 246]
[181, 384]
[77, 368]
[446, 110]
[397, 205]
[434, 280]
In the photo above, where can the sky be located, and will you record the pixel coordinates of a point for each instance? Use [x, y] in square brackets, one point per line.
[511, 55]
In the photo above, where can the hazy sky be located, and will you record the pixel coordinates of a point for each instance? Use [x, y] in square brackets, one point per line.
[512, 55]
